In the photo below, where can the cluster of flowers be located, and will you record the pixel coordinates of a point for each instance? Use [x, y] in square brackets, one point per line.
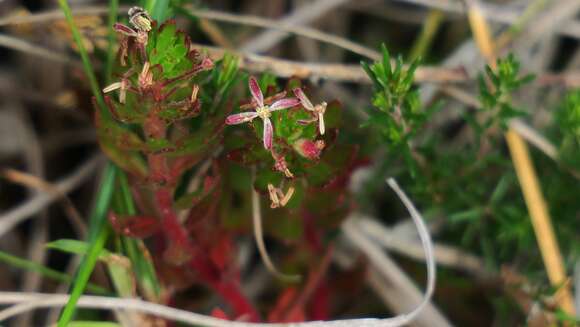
[263, 110]
[141, 24]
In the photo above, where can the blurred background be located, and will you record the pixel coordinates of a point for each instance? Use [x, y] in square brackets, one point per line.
[490, 272]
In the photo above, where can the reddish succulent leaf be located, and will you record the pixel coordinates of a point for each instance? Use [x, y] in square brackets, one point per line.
[219, 313]
[134, 226]
[176, 254]
[285, 300]
[320, 302]
[221, 252]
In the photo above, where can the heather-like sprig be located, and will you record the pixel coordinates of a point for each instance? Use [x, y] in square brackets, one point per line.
[261, 110]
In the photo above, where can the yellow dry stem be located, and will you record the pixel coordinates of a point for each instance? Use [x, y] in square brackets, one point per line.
[527, 177]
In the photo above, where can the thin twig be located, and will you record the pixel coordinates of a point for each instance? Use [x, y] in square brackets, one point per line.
[527, 176]
[336, 72]
[446, 255]
[218, 16]
[387, 268]
[13, 217]
[44, 186]
[494, 12]
[30, 301]
[32, 151]
[259, 237]
[302, 16]
[27, 47]
[540, 219]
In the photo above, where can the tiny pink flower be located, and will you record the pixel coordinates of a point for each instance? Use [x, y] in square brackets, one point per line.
[123, 85]
[309, 149]
[281, 165]
[318, 110]
[263, 111]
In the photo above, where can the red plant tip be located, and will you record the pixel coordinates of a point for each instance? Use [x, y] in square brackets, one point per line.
[146, 76]
[219, 313]
[309, 149]
[281, 166]
[124, 29]
[206, 63]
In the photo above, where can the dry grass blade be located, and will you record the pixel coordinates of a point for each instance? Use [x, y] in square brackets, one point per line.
[540, 219]
[30, 301]
[42, 185]
[330, 71]
[446, 255]
[376, 256]
[527, 177]
[301, 16]
[27, 47]
[10, 219]
[259, 237]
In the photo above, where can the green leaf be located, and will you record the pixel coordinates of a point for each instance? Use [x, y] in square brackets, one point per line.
[87, 66]
[76, 247]
[159, 10]
[386, 63]
[118, 266]
[21, 263]
[501, 189]
[136, 251]
[371, 74]
[98, 233]
[465, 216]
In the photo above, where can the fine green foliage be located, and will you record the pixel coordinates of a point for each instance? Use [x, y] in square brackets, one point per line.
[471, 184]
[399, 114]
[495, 96]
[568, 120]
[98, 232]
[168, 49]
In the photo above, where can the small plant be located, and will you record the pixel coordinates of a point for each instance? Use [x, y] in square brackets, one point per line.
[495, 96]
[568, 119]
[473, 186]
[192, 180]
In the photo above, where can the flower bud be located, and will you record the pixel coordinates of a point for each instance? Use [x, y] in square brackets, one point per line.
[309, 149]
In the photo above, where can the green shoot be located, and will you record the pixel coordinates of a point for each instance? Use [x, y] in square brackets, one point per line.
[98, 233]
[56, 275]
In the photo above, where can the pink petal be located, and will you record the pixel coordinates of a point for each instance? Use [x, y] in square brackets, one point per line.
[242, 117]
[321, 123]
[124, 29]
[303, 99]
[284, 103]
[268, 131]
[256, 92]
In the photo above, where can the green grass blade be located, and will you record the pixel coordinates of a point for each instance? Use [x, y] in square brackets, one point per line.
[21, 263]
[98, 233]
[142, 264]
[113, 9]
[88, 67]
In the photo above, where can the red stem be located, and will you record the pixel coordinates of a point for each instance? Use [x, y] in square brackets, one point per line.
[207, 270]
